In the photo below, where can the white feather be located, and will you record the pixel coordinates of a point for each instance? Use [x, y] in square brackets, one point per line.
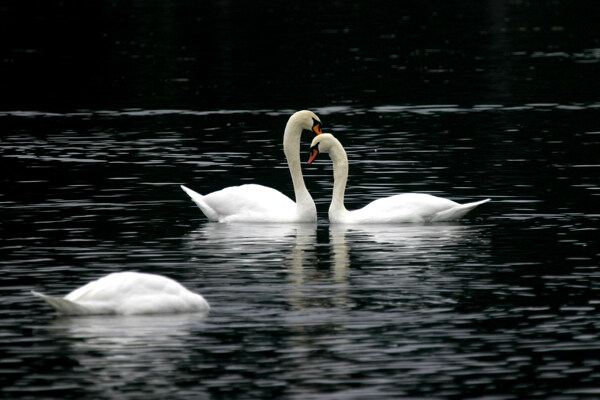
[128, 293]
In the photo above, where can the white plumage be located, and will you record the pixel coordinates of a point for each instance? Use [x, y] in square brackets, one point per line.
[128, 293]
[245, 203]
[257, 203]
[401, 208]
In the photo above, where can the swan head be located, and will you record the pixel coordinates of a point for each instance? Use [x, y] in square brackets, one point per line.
[307, 120]
[322, 143]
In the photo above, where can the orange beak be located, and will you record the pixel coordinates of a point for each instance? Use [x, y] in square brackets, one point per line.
[317, 128]
[314, 152]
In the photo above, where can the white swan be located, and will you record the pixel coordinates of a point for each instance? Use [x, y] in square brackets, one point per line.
[401, 208]
[128, 293]
[257, 203]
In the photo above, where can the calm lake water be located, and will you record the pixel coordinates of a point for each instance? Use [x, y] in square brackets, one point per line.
[108, 108]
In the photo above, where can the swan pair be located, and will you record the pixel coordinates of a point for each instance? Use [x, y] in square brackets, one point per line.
[257, 203]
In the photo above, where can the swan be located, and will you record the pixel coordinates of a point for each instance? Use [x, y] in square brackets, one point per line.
[400, 208]
[257, 203]
[128, 293]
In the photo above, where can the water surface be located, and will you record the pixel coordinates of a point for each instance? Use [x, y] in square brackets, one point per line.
[492, 100]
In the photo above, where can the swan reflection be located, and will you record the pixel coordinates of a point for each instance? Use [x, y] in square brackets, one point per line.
[407, 234]
[234, 239]
[144, 348]
[297, 259]
[386, 242]
[106, 331]
[257, 244]
[258, 254]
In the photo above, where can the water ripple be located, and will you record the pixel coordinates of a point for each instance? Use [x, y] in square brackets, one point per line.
[503, 302]
[423, 109]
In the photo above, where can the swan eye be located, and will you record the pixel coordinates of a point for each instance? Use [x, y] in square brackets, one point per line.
[316, 128]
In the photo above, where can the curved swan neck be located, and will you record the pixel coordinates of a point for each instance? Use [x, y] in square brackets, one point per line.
[340, 177]
[291, 148]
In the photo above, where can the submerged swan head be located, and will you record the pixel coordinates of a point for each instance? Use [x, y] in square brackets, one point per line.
[306, 120]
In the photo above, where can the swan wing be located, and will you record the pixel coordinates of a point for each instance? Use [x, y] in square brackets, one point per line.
[457, 212]
[200, 202]
[63, 306]
[245, 203]
[402, 208]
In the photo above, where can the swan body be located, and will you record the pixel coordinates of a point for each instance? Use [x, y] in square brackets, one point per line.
[249, 203]
[128, 293]
[400, 208]
[257, 203]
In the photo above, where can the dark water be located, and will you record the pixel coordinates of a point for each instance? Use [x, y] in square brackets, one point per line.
[108, 107]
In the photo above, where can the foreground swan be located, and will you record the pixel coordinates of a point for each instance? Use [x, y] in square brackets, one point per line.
[409, 207]
[128, 293]
[257, 203]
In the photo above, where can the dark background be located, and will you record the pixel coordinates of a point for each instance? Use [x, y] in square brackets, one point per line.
[71, 55]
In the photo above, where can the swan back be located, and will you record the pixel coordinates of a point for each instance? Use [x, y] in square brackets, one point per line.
[128, 293]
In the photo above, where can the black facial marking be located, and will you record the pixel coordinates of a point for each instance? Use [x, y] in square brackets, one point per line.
[318, 124]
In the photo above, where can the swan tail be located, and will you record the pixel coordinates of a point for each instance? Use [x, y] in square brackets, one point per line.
[204, 207]
[457, 212]
[63, 306]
